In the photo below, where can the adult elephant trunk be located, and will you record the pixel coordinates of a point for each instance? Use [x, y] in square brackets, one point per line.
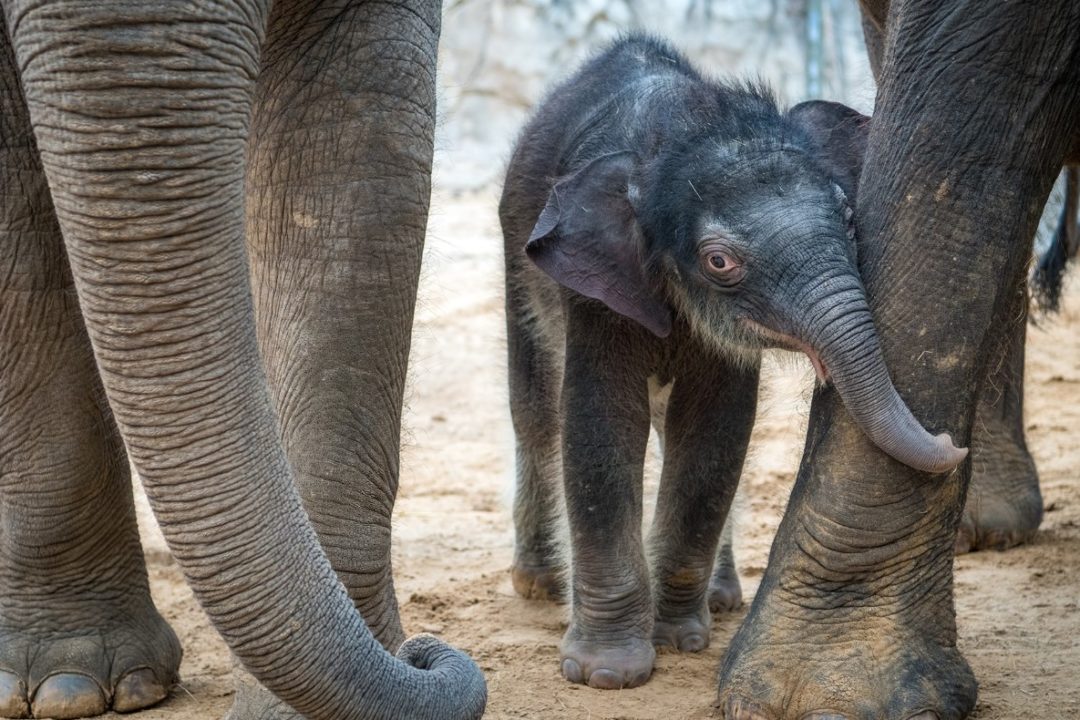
[141, 119]
[846, 343]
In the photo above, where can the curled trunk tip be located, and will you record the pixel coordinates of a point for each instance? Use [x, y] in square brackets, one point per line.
[942, 458]
[851, 351]
[878, 409]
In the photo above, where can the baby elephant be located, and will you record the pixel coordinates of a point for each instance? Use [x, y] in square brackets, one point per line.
[672, 227]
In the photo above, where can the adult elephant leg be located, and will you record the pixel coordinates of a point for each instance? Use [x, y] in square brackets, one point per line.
[338, 188]
[854, 617]
[338, 191]
[78, 630]
[1004, 506]
[707, 427]
[141, 115]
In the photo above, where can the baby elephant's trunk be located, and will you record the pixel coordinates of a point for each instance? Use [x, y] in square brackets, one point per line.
[847, 343]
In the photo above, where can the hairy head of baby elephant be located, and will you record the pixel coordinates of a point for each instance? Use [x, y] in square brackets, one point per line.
[675, 194]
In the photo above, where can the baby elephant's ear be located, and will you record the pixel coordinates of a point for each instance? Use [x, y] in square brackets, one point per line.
[838, 135]
[588, 239]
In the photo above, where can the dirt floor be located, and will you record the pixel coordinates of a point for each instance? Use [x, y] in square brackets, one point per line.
[1019, 621]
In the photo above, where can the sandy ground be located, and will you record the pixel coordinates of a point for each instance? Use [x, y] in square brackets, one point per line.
[1019, 621]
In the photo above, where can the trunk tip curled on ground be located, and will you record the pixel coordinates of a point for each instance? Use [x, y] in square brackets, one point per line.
[457, 670]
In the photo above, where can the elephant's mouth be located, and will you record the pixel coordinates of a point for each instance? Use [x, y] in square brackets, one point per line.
[789, 342]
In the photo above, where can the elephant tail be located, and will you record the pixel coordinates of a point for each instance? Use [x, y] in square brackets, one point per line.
[1051, 264]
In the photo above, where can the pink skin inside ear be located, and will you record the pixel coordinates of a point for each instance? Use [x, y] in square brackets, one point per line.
[788, 342]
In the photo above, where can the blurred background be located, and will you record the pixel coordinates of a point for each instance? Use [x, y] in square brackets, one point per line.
[498, 57]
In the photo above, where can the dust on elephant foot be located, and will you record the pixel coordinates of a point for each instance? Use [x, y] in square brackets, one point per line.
[538, 581]
[870, 669]
[1004, 506]
[725, 592]
[685, 634]
[607, 663]
[72, 668]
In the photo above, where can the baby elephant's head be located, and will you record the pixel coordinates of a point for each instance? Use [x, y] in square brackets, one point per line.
[752, 241]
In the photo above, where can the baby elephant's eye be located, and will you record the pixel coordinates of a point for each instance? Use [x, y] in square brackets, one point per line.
[721, 264]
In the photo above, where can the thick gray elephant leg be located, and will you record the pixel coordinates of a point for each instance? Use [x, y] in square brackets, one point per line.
[142, 114]
[854, 617]
[339, 185]
[1004, 506]
[79, 633]
[606, 428]
[535, 373]
[710, 414]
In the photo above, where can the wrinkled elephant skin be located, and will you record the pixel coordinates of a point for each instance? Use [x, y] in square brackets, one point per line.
[653, 274]
[142, 146]
[976, 113]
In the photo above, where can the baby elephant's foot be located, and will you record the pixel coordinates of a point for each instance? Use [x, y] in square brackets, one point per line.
[538, 581]
[609, 663]
[1002, 511]
[126, 660]
[685, 634]
[1004, 505]
[725, 591]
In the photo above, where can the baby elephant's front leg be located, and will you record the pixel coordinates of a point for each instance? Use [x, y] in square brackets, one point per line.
[606, 427]
[706, 432]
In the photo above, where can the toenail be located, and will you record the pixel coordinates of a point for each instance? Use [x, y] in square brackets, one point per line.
[137, 690]
[605, 679]
[722, 600]
[824, 715]
[68, 695]
[572, 671]
[693, 643]
[13, 702]
[925, 715]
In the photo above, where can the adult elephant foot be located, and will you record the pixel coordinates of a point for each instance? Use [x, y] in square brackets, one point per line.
[82, 657]
[79, 633]
[837, 669]
[878, 644]
[854, 616]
